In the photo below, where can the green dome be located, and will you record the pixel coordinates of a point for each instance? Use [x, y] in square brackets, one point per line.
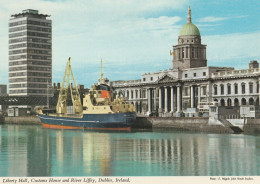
[189, 29]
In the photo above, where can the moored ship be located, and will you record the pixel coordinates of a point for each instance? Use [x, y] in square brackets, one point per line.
[97, 110]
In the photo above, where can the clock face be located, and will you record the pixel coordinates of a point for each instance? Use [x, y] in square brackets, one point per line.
[196, 39]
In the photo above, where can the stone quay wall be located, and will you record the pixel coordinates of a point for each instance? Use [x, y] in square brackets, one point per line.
[198, 124]
[23, 120]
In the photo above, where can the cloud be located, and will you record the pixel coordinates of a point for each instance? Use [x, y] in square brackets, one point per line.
[119, 31]
[212, 19]
[237, 49]
[218, 19]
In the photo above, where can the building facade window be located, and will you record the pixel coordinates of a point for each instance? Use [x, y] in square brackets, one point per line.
[251, 87]
[186, 91]
[243, 88]
[194, 74]
[192, 52]
[204, 90]
[186, 75]
[204, 73]
[215, 90]
[235, 88]
[229, 89]
[222, 89]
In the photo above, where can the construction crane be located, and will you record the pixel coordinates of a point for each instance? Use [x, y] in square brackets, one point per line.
[68, 80]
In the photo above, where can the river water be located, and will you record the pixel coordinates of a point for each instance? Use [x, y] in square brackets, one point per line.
[27, 150]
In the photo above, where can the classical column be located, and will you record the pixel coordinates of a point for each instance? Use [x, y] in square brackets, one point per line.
[134, 94]
[172, 106]
[178, 98]
[199, 91]
[192, 97]
[165, 99]
[160, 98]
[155, 96]
[149, 101]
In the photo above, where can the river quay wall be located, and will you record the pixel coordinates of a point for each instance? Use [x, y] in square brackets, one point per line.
[23, 120]
[197, 124]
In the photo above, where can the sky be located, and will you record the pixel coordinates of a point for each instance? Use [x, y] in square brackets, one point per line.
[135, 36]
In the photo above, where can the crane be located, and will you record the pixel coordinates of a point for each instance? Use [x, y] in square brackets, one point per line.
[68, 80]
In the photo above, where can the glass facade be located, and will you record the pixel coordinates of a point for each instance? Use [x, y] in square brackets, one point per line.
[30, 53]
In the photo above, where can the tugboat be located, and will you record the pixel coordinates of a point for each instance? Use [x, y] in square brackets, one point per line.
[98, 111]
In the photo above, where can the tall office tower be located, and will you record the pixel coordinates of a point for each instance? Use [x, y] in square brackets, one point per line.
[30, 53]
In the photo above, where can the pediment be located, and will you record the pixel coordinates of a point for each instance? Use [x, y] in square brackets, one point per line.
[166, 79]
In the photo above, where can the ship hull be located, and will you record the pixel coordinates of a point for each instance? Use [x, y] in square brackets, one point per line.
[117, 121]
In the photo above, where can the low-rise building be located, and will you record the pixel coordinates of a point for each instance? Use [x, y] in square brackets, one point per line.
[190, 87]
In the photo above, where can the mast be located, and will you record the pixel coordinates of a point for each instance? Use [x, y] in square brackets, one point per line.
[48, 94]
[101, 73]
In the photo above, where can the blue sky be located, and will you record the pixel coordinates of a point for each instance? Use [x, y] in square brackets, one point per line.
[134, 37]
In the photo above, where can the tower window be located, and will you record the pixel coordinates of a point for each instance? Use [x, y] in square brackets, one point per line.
[187, 52]
[192, 52]
[182, 52]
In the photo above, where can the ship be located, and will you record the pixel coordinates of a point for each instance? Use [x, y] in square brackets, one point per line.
[97, 109]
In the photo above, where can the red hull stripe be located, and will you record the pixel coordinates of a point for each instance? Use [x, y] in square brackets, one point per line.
[44, 125]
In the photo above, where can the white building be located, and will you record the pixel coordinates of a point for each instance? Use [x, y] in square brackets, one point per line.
[191, 85]
[30, 53]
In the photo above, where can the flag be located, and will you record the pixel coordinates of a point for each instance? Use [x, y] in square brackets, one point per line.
[172, 53]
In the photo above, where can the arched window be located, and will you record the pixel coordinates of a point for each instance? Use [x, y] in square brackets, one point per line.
[251, 101]
[229, 102]
[236, 102]
[243, 101]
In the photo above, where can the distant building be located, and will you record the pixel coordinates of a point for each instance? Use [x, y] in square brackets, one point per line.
[3, 89]
[30, 53]
[190, 87]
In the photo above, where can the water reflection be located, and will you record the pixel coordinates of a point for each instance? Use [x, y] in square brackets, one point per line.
[33, 151]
